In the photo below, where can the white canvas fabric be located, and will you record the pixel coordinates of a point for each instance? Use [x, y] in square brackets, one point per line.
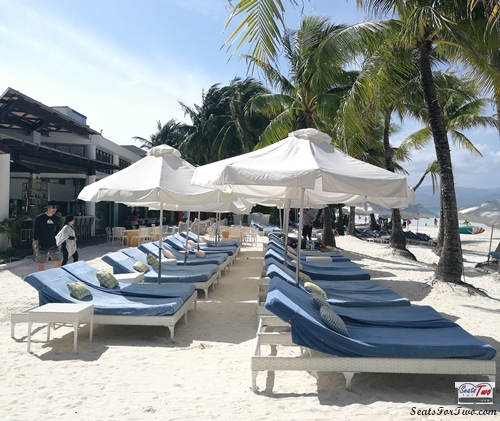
[487, 213]
[306, 159]
[160, 177]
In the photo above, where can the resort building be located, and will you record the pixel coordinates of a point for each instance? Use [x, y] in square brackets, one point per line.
[50, 153]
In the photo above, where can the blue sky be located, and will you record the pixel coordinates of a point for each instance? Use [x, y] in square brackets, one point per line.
[125, 65]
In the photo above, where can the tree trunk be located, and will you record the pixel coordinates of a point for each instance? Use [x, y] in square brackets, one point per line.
[440, 236]
[450, 264]
[340, 221]
[398, 239]
[351, 228]
[328, 237]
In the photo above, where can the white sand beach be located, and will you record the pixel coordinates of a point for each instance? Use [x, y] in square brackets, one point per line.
[138, 373]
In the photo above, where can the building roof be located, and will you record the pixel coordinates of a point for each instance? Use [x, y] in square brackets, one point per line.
[20, 112]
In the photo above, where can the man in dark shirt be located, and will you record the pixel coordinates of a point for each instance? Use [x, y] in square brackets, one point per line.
[47, 225]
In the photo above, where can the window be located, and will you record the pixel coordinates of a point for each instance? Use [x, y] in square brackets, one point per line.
[123, 164]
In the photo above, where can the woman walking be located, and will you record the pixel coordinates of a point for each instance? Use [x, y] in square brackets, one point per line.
[67, 239]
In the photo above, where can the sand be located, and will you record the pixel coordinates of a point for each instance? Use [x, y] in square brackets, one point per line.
[137, 373]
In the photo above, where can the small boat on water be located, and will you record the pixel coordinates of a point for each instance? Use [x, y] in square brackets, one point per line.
[470, 229]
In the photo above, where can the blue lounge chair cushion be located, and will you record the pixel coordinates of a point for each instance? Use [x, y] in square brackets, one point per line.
[335, 271]
[78, 290]
[347, 293]
[373, 340]
[106, 279]
[332, 320]
[86, 274]
[51, 287]
[192, 259]
[122, 262]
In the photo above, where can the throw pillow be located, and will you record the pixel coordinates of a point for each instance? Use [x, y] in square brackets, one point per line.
[315, 289]
[168, 254]
[202, 239]
[318, 301]
[106, 279]
[333, 321]
[200, 253]
[78, 290]
[152, 261]
[304, 277]
[191, 243]
[294, 263]
[140, 267]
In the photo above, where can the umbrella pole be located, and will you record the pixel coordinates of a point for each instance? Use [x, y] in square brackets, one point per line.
[160, 240]
[301, 220]
[491, 240]
[285, 220]
[187, 238]
[198, 233]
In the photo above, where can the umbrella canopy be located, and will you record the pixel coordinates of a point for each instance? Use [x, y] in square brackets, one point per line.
[160, 177]
[304, 160]
[487, 213]
[416, 212]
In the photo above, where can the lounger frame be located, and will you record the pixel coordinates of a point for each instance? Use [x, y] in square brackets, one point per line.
[350, 366]
[118, 319]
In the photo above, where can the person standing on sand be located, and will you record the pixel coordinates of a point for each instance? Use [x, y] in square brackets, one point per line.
[67, 240]
[435, 223]
[45, 229]
[307, 220]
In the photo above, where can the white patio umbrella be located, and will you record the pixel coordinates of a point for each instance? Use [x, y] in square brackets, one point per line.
[416, 212]
[161, 177]
[304, 160]
[487, 213]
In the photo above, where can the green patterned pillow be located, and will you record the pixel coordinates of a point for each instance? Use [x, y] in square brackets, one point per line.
[78, 290]
[304, 277]
[333, 321]
[315, 289]
[153, 261]
[106, 279]
[140, 267]
[319, 301]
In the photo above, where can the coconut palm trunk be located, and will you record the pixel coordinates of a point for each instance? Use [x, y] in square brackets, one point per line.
[451, 253]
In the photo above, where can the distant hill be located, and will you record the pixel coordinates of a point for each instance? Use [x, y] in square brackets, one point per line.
[465, 196]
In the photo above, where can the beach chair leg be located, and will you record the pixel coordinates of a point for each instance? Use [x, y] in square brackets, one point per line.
[206, 293]
[254, 381]
[186, 318]
[171, 330]
[348, 379]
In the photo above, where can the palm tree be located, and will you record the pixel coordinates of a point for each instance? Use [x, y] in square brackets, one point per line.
[171, 133]
[242, 127]
[311, 95]
[10, 227]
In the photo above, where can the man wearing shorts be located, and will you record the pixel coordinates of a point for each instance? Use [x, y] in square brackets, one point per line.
[47, 225]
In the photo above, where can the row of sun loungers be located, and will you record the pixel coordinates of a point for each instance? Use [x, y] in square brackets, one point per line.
[147, 303]
[379, 332]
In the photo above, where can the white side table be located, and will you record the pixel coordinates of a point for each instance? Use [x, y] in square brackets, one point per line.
[62, 313]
